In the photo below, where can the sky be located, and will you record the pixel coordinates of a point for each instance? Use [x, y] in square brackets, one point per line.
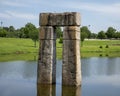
[99, 14]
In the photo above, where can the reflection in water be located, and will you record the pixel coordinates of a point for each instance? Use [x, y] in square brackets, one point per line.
[49, 90]
[100, 67]
[100, 77]
[45, 90]
[29, 72]
[71, 91]
[18, 69]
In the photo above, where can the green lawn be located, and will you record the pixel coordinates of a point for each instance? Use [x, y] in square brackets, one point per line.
[92, 47]
[15, 46]
[14, 57]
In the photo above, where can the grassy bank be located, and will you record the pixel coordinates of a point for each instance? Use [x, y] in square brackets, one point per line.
[101, 48]
[14, 57]
[17, 46]
[90, 48]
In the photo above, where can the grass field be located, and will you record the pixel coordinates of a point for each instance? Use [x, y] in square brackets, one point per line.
[91, 48]
[109, 48]
[14, 57]
[17, 46]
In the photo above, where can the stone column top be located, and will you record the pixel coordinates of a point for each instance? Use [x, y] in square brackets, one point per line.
[60, 19]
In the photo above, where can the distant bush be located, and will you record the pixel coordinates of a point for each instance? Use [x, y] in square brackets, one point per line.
[107, 55]
[106, 46]
[100, 47]
[100, 55]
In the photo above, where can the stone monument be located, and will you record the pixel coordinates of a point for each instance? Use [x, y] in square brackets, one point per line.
[71, 67]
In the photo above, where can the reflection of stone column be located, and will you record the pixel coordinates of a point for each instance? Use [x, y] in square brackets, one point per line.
[71, 71]
[46, 59]
[45, 90]
[71, 91]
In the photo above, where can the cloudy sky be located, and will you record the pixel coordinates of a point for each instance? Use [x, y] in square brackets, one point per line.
[99, 14]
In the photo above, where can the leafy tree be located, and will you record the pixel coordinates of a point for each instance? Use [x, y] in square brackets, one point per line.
[34, 35]
[31, 31]
[28, 27]
[117, 35]
[87, 31]
[83, 36]
[11, 31]
[101, 35]
[93, 35]
[18, 33]
[110, 32]
[3, 32]
[6, 28]
[22, 34]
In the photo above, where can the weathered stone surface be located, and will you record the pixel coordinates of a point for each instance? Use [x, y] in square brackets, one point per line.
[47, 56]
[71, 68]
[47, 33]
[43, 18]
[45, 62]
[71, 33]
[58, 19]
[47, 67]
[71, 56]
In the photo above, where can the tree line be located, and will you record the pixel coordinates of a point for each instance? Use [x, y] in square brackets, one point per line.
[30, 31]
[111, 33]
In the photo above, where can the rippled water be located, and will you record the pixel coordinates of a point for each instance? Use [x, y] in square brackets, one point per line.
[100, 77]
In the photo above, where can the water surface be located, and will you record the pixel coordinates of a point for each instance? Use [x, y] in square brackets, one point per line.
[100, 77]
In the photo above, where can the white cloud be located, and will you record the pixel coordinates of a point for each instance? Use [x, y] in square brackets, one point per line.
[14, 4]
[4, 15]
[103, 8]
[22, 15]
[112, 9]
[108, 9]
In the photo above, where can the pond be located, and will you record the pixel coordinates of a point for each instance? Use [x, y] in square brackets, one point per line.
[100, 77]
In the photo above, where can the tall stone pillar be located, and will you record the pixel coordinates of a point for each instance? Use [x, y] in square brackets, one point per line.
[71, 68]
[46, 62]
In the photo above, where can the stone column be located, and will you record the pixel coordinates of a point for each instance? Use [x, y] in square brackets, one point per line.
[71, 68]
[46, 62]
